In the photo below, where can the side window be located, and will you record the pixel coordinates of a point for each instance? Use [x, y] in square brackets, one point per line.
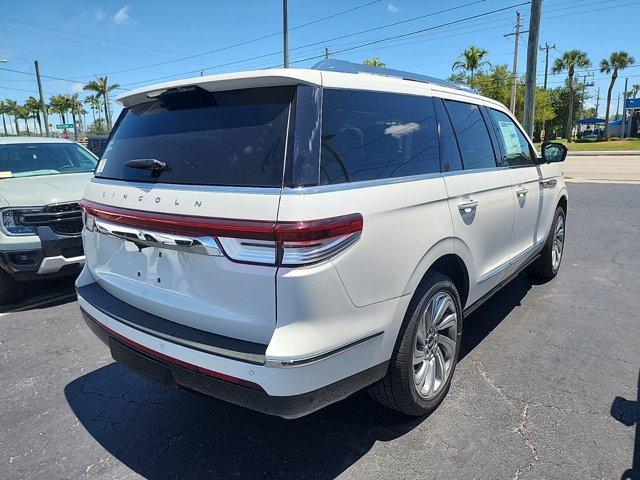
[472, 133]
[514, 145]
[373, 135]
[449, 153]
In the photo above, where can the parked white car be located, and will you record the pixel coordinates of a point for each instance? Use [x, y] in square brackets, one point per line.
[280, 239]
[41, 181]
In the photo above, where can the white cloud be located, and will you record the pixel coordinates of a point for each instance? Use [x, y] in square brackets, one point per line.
[99, 14]
[123, 16]
[391, 8]
[77, 87]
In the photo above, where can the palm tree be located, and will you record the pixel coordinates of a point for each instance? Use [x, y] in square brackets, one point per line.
[374, 62]
[96, 105]
[3, 110]
[12, 109]
[635, 90]
[23, 112]
[75, 107]
[34, 105]
[569, 61]
[60, 105]
[473, 60]
[102, 88]
[617, 61]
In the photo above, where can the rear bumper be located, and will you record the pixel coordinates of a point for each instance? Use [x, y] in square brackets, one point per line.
[233, 370]
[166, 371]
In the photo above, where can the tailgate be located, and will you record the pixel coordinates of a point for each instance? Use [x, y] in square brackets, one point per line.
[195, 287]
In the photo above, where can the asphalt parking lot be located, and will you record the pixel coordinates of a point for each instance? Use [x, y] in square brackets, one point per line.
[547, 387]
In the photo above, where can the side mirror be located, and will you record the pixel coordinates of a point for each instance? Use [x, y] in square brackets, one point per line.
[553, 152]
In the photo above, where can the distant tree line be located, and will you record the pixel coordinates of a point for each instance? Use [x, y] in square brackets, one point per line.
[67, 107]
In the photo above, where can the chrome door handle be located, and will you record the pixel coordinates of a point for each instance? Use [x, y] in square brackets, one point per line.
[522, 191]
[468, 205]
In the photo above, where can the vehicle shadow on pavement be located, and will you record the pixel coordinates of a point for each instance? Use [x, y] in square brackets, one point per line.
[481, 323]
[162, 433]
[627, 412]
[44, 294]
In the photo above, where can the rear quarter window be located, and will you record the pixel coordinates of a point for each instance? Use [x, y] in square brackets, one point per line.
[473, 135]
[374, 135]
[230, 138]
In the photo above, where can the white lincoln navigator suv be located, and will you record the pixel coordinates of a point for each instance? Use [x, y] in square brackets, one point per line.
[280, 239]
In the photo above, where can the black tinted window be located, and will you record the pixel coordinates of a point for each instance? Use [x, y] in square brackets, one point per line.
[234, 138]
[514, 145]
[372, 135]
[472, 133]
[449, 152]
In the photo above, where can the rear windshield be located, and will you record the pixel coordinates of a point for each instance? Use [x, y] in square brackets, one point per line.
[230, 138]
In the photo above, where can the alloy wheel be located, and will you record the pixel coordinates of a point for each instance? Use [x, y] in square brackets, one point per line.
[558, 243]
[435, 345]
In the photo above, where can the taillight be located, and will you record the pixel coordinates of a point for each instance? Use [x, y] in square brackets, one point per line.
[247, 241]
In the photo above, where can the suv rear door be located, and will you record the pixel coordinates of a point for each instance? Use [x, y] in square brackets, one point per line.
[480, 200]
[201, 160]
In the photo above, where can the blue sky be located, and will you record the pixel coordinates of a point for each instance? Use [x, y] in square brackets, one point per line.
[76, 40]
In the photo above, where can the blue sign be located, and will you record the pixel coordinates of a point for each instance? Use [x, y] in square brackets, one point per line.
[632, 103]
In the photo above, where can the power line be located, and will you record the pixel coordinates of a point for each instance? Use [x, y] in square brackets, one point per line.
[372, 42]
[240, 44]
[76, 34]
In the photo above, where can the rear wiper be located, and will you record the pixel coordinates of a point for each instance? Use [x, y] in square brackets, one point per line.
[146, 163]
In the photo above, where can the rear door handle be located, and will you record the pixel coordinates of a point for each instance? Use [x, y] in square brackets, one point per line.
[468, 205]
[522, 191]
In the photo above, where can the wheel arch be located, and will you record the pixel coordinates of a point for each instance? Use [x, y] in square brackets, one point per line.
[443, 258]
[562, 202]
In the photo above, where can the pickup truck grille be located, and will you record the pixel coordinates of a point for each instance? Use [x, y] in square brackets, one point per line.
[63, 218]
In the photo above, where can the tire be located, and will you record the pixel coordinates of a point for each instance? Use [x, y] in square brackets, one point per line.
[546, 266]
[402, 388]
[10, 289]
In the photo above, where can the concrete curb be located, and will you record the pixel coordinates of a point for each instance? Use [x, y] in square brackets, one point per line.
[604, 153]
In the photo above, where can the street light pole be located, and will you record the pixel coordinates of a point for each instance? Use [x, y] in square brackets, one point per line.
[285, 33]
[532, 57]
[43, 106]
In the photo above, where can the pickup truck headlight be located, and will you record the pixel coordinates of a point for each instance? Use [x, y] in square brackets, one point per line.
[12, 225]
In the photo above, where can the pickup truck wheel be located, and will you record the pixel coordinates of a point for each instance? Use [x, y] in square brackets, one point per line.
[548, 263]
[10, 290]
[426, 353]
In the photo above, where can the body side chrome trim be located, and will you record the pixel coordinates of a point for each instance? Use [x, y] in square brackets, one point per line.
[511, 261]
[295, 362]
[354, 185]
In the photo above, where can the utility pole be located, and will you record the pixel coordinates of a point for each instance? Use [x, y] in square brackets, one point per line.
[618, 106]
[532, 60]
[326, 53]
[546, 49]
[43, 106]
[624, 104]
[514, 70]
[597, 101]
[285, 33]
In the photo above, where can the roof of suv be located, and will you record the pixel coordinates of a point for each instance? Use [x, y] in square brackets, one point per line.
[331, 73]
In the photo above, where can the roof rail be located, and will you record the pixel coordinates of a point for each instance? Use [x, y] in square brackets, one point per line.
[331, 65]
